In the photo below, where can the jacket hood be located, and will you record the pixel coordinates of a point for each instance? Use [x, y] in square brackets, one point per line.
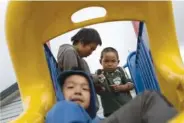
[91, 110]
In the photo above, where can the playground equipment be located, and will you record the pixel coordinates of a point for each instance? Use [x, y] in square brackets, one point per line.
[30, 24]
[141, 66]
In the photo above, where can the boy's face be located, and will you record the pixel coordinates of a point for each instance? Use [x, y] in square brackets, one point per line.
[87, 50]
[109, 61]
[76, 89]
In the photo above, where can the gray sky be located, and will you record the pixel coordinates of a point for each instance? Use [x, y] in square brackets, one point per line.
[112, 34]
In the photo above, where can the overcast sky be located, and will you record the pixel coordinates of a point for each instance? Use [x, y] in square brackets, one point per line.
[112, 35]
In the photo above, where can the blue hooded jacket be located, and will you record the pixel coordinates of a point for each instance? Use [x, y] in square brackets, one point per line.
[69, 112]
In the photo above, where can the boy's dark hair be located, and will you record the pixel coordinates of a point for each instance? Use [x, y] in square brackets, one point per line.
[86, 36]
[109, 49]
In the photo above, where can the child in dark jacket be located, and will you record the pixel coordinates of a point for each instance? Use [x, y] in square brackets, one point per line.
[114, 82]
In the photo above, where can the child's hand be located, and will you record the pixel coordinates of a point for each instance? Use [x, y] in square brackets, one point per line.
[130, 85]
[122, 88]
[115, 88]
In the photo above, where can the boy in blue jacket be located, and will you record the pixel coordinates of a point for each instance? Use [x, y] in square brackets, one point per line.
[79, 97]
[78, 104]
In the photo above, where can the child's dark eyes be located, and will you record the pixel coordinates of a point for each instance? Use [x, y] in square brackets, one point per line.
[70, 87]
[82, 88]
[86, 89]
[113, 61]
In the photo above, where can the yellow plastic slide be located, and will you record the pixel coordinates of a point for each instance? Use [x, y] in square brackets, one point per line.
[30, 24]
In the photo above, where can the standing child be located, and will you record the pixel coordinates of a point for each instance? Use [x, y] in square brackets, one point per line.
[114, 82]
